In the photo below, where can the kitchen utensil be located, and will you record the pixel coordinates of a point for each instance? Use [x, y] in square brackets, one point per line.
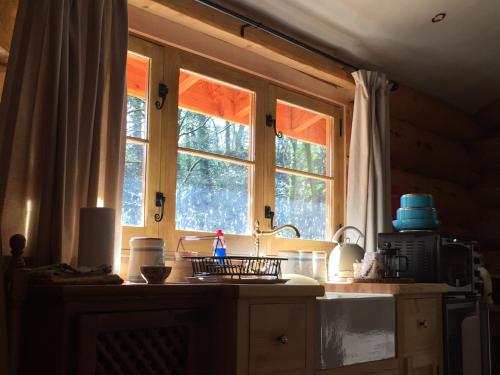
[229, 280]
[155, 274]
[344, 255]
[391, 261]
[425, 213]
[181, 267]
[417, 200]
[236, 266]
[405, 224]
[144, 252]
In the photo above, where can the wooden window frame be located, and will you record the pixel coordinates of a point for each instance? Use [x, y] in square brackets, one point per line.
[154, 119]
[261, 158]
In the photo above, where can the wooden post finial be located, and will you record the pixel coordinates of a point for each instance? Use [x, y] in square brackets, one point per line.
[17, 244]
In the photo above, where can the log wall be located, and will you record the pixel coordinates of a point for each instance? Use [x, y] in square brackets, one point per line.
[486, 155]
[429, 154]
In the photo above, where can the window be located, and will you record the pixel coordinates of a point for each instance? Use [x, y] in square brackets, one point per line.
[214, 167]
[211, 153]
[137, 140]
[143, 140]
[303, 183]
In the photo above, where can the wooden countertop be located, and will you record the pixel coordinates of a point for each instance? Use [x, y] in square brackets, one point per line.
[172, 290]
[410, 288]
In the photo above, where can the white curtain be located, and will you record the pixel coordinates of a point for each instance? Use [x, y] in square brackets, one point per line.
[62, 121]
[369, 179]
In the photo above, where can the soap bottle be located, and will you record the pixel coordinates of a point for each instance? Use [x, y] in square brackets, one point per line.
[219, 245]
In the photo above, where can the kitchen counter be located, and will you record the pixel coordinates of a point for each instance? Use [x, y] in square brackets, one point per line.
[171, 290]
[383, 288]
[226, 329]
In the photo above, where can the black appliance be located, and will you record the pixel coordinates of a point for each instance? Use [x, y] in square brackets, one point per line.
[441, 258]
[435, 258]
[466, 336]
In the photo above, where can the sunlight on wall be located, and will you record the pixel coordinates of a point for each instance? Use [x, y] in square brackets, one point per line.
[29, 210]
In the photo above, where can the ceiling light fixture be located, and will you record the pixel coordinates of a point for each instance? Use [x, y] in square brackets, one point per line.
[438, 17]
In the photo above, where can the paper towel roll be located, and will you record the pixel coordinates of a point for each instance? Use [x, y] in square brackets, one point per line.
[96, 240]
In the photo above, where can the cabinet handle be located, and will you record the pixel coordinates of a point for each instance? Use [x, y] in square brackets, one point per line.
[283, 339]
[423, 323]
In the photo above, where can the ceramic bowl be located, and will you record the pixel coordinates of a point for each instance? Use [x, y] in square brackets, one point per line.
[417, 213]
[416, 224]
[417, 200]
[155, 274]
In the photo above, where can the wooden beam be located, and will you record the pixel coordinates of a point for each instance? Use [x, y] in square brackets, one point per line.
[213, 23]
[164, 31]
[186, 81]
[301, 126]
[242, 105]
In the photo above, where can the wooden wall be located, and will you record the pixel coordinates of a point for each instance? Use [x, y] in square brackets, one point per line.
[8, 9]
[429, 154]
[486, 155]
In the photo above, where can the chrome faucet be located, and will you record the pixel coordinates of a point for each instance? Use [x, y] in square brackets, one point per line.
[257, 233]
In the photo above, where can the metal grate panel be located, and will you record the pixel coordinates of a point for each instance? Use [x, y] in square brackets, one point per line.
[143, 351]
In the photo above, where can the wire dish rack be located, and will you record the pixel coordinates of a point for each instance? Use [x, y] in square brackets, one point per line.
[236, 266]
[233, 266]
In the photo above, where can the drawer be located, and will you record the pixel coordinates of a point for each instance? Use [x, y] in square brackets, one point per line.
[421, 323]
[277, 338]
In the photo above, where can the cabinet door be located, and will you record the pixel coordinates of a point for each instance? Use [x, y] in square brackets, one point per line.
[278, 337]
[421, 364]
[141, 342]
[421, 325]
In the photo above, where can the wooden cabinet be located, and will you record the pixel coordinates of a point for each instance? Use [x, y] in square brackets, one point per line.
[141, 342]
[420, 335]
[277, 338]
[383, 367]
[169, 329]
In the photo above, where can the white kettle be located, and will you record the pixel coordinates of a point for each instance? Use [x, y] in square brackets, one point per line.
[344, 255]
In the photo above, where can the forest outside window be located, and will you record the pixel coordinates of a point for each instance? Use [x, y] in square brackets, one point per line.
[302, 179]
[137, 140]
[214, 167]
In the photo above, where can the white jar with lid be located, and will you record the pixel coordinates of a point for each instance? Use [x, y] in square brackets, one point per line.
[144, 251]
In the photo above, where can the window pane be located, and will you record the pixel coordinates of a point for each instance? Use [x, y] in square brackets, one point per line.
[133, 186]
[299, 155]
[214, 116]
[211, 195]
[137, 95]
[301, 201]
[212, 134]
[305, 139]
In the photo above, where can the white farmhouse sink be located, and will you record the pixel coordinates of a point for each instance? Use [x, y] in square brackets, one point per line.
[354, 328]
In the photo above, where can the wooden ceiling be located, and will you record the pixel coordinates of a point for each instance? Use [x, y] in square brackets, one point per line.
[301, 124]
[203, 95]
[137, 75]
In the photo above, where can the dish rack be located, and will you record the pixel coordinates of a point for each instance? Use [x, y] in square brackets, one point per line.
[234, 266]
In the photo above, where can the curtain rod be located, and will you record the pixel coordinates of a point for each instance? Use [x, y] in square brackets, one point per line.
[274, 32]
[258, 25]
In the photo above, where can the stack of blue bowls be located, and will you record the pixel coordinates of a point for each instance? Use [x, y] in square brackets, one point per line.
[417, 212]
